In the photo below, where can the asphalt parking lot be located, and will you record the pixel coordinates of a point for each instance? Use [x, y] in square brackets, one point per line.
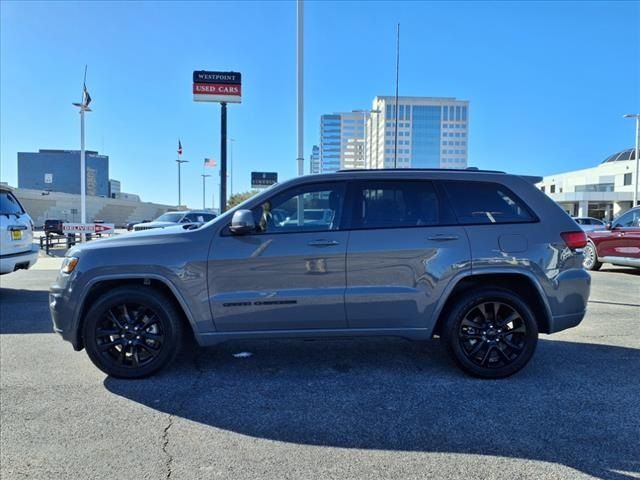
[366, 408]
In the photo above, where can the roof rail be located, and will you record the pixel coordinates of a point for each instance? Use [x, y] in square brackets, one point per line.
[467, 170]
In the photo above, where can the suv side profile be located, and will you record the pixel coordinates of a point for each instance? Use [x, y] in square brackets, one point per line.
[483, 260]
[618, 244]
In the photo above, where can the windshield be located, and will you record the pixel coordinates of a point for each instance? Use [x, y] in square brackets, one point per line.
[170, 217]
[9, 204]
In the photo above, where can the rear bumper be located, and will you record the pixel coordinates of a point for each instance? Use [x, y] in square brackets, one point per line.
[569, 297]
[18, 261]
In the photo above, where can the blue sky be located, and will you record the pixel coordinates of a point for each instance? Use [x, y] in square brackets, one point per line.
[548, 82]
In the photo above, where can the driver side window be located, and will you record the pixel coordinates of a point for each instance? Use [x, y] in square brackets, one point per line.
[629, 219]
[310, 208]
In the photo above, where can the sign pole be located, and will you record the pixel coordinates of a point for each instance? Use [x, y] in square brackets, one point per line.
[223, 157]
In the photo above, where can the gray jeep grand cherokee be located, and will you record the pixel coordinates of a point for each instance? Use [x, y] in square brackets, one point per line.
[483, 260]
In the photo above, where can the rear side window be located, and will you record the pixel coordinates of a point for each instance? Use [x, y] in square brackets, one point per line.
[9, 204]
[485, 203]
[395, 204]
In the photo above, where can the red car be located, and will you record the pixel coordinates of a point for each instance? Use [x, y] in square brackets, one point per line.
[619, 244]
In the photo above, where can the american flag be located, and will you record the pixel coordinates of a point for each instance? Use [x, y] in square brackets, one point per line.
[87, 98]
[179, 148]
[209, 162]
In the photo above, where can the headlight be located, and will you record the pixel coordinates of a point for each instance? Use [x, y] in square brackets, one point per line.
[69, 264]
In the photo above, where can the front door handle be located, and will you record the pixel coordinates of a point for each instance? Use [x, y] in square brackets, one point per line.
[322, 243]
[442, 238]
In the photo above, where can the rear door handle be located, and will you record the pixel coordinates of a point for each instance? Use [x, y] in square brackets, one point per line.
[442, 237]
[322, 243]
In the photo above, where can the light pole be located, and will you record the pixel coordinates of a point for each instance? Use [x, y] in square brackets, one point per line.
[635, 189]
[231, 140]
[204, 176]
[377, 112]
[84, 107]
[300, 85]
[180, 162]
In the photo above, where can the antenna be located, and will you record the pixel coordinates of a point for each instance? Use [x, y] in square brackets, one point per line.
[395, 150]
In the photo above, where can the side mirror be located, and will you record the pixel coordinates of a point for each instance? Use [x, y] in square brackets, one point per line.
[242, 222]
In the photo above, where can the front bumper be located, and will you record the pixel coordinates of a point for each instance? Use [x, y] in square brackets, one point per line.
[63, 313]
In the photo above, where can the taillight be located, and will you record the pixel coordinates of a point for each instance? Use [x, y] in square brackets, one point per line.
[574, 239]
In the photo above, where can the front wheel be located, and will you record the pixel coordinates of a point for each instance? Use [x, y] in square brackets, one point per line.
[590, 261]
[132, 332]
[491, 333]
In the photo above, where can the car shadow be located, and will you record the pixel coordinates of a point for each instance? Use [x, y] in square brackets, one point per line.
[575, 404]
[627, 270]
[16, 319]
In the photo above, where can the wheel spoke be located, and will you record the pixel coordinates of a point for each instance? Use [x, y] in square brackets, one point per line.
[487, 354]
[136, 358]
[514, 315]
[152, 351]
[521, 329]
[123, 354]
[126, 315]
[152, 336]
[104, 347]
[512, 345]
[504, 355]
[115, 319]
[106, 332]
[467, 322]
[149, 321]
[476, 348]
[470, 336]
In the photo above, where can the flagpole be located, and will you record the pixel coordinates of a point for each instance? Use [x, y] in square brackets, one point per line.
[84, 107]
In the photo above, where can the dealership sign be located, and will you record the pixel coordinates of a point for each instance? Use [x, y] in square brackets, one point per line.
[263, 179]
[217, 86]
[88, 227]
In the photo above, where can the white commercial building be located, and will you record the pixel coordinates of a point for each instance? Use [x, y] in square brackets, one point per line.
[602, 192]
[342, 140]
[432, 132]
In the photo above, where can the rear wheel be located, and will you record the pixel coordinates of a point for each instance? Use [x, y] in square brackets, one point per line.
[132, 332]
[590, 261]
[491, 333]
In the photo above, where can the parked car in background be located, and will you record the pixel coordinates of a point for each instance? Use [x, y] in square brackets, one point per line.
[17, 250]
[483, 260]
[53, 227]
[618, 243]
[174, 218]
[589, 223]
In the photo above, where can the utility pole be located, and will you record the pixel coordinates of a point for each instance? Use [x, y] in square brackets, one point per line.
[635, 189]
[204, 176]
[223, 157]
[180, 162]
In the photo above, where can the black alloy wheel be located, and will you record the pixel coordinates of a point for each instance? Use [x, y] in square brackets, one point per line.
[132, 332]
[491, 333]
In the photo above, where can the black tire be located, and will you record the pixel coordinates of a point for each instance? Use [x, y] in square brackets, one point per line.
[487, 343]
[132, 332]
[590, 261]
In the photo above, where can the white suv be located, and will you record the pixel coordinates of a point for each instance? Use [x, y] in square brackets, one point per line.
[17, 250]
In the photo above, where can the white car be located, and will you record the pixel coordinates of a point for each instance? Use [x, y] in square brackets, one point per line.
[588, 224]
[17, 250]
[171, 219]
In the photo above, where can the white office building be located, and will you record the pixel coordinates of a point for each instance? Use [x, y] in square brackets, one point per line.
[314, 160]
[342, 139]
[432, 132]
[602, 192]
